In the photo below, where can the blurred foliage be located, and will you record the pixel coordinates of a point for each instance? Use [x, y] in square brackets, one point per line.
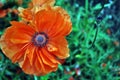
[94, 42]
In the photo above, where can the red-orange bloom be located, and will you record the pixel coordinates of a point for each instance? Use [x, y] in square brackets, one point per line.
[34, 7]
[38, 46]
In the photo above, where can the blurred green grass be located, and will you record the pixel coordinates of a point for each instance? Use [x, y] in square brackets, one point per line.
[99, 62]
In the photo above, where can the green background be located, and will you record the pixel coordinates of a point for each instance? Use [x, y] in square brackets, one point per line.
[93, 42]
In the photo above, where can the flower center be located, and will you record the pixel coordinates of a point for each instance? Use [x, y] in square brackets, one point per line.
[40, 39]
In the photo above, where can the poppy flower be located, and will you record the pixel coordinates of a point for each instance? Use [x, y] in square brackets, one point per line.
[38, 46]
[34, 7]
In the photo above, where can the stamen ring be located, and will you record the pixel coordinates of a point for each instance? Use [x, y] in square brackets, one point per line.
[40, 39]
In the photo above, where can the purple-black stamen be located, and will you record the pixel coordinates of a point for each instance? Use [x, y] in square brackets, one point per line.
[40, 39]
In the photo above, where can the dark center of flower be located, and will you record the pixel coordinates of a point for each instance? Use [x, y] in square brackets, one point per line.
[40, 39]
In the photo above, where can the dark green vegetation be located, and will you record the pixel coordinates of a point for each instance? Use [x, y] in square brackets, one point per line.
[94, 42]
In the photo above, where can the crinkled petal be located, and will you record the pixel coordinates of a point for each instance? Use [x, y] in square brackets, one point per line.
[19, 56]
[14, 38]
[48, 59]
[23, 28]
[49, 69]
[48, 62]
[53, 22]
[62, 47]
[30, 53]
[39, 68]
[26, 67]
[26, 14]
[40, 62]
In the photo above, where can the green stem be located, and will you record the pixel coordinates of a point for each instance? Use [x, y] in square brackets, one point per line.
[86, 6]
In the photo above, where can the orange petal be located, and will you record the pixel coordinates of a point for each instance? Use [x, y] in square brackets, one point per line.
[23, 28]
[34, 69]
[20, 54]
[30, 52]
[49, 69]
[33, 62]
[45, 20]
[44, 63]
[15, 37]
[53, 22]
[20, 30]
[26, 67]
[18, 38]
[8, 48]
[61, 44]
[47, 62]
[26, 14]
[51, 48]
[40, 62]
[38, 67]
[48, 59]
[63, 25]
[51, 57]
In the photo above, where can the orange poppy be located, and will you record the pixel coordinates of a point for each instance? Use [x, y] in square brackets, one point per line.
[38, 46]
[34, 7]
